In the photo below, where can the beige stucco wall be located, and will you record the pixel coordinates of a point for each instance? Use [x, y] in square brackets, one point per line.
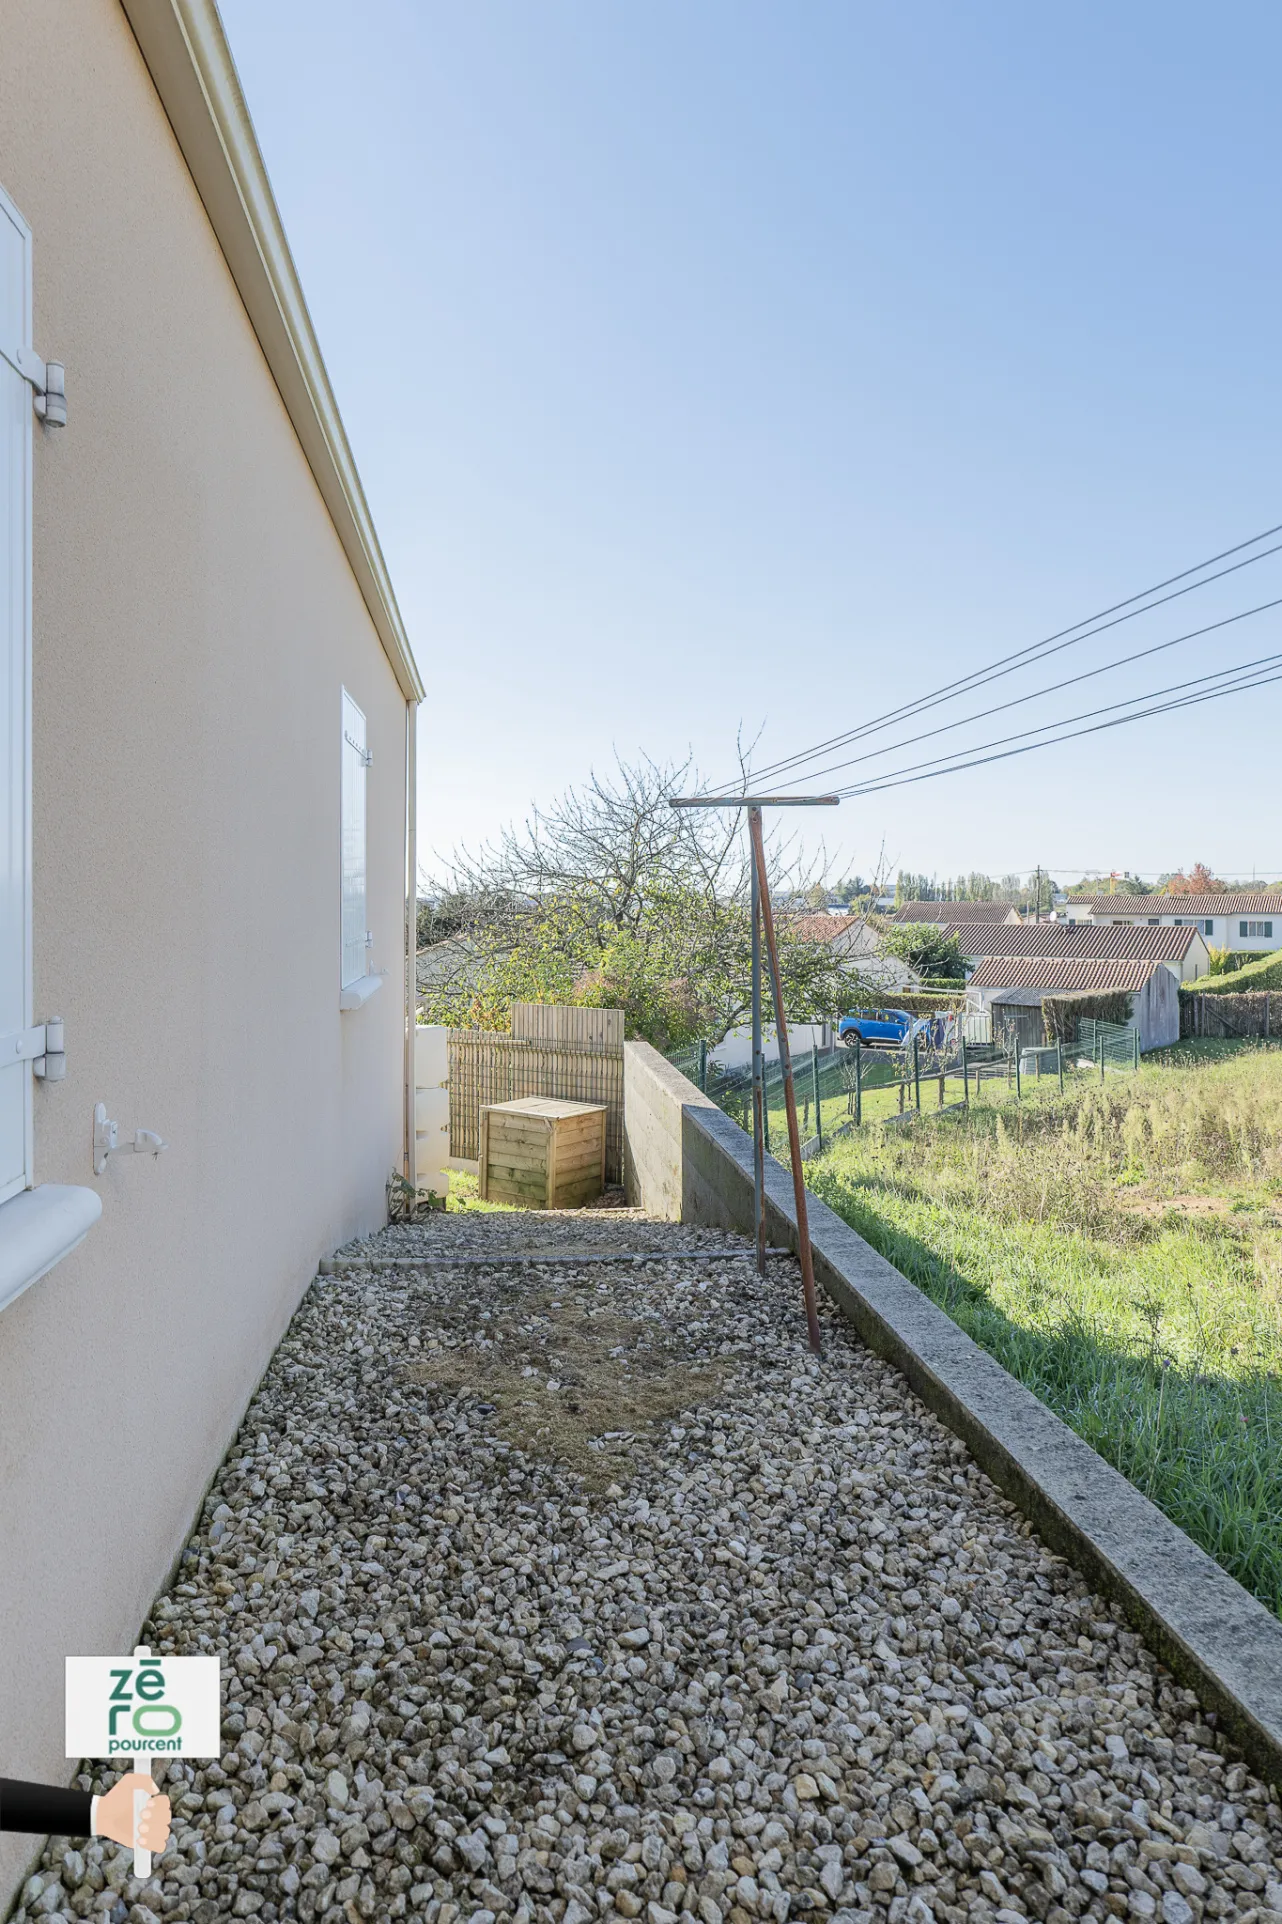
[194, 620]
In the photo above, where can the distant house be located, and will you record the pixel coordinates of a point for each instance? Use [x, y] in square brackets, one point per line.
[957, 912]
[454, 962]
[853, 940]
[1011, 983]
[1245, 921]
[1183, 950]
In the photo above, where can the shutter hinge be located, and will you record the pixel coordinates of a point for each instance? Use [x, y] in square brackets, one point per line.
[48, 381]
[43, 1047]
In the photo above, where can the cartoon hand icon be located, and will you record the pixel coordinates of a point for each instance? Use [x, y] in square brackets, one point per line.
[114, 1815]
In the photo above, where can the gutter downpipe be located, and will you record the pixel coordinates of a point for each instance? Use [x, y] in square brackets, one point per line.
[411, 933]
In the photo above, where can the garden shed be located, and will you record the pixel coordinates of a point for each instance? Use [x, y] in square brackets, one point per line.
[1008, 982]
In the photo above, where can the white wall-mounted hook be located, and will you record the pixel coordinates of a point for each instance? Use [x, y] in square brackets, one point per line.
[106, 1140]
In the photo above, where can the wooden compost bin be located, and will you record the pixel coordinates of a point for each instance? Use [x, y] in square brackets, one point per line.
[542, 1153]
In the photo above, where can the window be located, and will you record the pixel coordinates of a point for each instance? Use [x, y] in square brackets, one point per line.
[1256, 928]
[1210, 928]
[1154, 921]
[38, 1225]
[355, 917]
[15, 697]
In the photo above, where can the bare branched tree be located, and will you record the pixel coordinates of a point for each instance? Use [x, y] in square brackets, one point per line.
[612, 895]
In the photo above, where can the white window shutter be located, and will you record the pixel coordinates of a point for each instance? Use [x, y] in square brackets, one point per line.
[355, 912]
[15, 698]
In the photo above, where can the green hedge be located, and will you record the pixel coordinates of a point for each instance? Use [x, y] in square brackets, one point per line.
[1062, 1013]
[1266, 973]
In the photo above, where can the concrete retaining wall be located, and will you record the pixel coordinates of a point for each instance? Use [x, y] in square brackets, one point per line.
[685, 1160]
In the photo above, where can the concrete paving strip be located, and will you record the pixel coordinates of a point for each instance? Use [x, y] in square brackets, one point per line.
[336, 1265]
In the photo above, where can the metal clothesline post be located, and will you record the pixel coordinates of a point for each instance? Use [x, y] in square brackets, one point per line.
[763, 923]
[758, 1089]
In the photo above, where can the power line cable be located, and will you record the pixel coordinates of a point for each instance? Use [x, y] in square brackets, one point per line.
[1200, 681]
[1023, 657]
[998, 708]
[1255, 678]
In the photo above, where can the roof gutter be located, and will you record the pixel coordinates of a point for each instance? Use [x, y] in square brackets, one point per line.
[190, 62]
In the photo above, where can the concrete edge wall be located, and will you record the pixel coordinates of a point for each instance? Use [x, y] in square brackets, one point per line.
[1201, 1623]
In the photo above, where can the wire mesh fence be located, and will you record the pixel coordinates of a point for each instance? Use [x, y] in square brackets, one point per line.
[1108, 1045]
[848, 1087]
[836, 1089]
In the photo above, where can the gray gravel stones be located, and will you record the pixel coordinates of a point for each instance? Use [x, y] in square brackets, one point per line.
[797, 1660]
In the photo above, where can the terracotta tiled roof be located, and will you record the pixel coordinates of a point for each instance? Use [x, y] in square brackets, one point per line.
[954, 911]
[1059, 975]
[1086, 939]
[818, 928]
[1231, 902]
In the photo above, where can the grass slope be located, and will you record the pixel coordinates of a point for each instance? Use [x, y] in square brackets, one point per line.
[1119, 1250]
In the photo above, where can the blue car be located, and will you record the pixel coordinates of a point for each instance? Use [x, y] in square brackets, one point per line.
[884, 1028]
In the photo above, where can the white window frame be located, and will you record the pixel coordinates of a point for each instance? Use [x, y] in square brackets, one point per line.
[15, 752]
[356, 980]
[39, 1224]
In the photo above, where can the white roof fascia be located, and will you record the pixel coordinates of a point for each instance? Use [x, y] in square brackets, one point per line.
[190, 62]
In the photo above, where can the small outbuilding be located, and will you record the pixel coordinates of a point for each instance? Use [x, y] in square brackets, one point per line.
[1009, 983]
[1182, 950]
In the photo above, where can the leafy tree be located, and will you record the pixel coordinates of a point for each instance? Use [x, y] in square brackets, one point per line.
[613, 899]
[1105, 885]
[1198, 881]
[915, 888]
[926, 947]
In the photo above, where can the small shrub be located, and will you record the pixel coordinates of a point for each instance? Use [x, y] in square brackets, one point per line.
[405, 1204]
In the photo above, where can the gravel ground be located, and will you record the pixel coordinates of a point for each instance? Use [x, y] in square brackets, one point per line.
[572, 1591]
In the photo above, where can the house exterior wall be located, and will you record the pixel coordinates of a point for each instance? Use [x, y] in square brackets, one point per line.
[1218, 930]
[195, 619]
[862, 946]
[735, 1050]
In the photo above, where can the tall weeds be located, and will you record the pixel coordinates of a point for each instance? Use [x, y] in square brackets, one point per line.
[1157, 1336]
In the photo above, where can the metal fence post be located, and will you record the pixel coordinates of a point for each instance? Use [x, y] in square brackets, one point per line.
[1059, 1064]
[1136, 1034]
[916, 1073]
[814, 1084]
[703, 1066]
[859, 1081]
[965, 1075]
[760, 1136]
[1019, 1093]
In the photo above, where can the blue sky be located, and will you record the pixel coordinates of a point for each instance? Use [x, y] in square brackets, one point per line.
[735, 364]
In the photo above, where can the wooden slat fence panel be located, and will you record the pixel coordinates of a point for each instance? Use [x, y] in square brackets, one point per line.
[486, 1068]
[559, 1022]
[1248, 1013]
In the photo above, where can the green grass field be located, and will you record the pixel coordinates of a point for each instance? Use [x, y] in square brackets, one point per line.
[1119, 1250]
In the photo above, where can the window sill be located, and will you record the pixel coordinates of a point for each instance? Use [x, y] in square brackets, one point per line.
[357, 993]
[40, 1227]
